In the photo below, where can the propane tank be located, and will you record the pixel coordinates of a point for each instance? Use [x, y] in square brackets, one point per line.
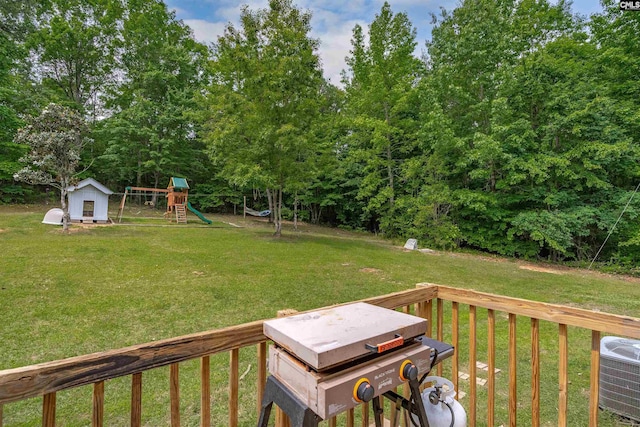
[440, 405]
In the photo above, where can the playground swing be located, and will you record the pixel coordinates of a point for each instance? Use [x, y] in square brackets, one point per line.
[177, 193]
[149, 201]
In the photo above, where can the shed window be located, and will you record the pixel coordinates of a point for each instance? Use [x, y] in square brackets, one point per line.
[87, 208]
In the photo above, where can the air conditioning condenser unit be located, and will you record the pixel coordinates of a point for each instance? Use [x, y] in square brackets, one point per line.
[620, 376]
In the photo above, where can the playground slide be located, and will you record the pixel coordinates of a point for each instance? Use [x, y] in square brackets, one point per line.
[198, 214]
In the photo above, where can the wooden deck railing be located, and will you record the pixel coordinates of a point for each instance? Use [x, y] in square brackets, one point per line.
[97, 369]
[563, 316]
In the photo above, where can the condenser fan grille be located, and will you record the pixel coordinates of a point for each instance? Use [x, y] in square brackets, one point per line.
[628, 349]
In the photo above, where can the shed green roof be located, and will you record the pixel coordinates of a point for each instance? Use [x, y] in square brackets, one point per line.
[178, 183]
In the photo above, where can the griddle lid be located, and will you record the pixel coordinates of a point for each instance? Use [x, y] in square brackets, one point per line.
[330, 337]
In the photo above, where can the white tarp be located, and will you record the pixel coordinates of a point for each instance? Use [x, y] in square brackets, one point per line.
[53, 217]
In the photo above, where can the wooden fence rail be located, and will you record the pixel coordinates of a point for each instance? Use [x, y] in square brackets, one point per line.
[47, 379]
[563, 316]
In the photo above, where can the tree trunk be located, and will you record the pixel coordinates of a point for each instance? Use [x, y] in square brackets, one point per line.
[272, 208]
[154, 195]
[389, 158]
[66, 218]
[295, 213]
[493, 178]
[139, 175]
[275, 203]
[390, 173]
[279, 226]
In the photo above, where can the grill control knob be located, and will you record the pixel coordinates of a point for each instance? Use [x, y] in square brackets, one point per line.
[363, 390]
[408, 371]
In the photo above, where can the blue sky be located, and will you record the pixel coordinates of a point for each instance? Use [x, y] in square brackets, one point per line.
[332, 22]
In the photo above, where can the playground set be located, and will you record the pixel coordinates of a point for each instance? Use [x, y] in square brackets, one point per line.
[177, 194]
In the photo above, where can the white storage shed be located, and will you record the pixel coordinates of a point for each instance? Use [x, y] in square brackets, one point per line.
[89, 201]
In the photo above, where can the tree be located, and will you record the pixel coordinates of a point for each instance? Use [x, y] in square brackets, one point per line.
[74, 46]
[151, 134]
[517, 99]
[15, 22]
[260, 109]
[9, 121]
[380, 86]
[320, 197]
[55, 140]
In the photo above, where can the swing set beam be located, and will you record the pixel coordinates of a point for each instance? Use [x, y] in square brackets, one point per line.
[129, 191]
[155, 190]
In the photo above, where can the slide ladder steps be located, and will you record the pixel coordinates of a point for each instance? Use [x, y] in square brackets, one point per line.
[181, 214]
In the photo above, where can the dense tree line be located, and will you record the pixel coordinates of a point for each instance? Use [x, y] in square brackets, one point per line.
[516, 133]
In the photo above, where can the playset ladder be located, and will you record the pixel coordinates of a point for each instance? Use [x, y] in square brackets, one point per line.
[181, 214]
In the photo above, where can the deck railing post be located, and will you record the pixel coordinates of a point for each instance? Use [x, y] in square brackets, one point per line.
[365, 415]
[49, 410]
[205, 391]
[513, 375]
[429, 317]
[491, 355]
[535, 372]
[97, 417]
[594, 388]
[262, 373]
[440, 328]
[174, 392]
[350, 418]
[563, 375]
[455, 343]
[472, 366]
[136, 400]
[233, 387]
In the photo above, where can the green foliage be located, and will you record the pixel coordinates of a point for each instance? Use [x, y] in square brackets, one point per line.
[381, 101]
[75, 44]
[216, 196]
[54, 140]
[263, 102]
[542, 147]
[15, 19]
[151, 135]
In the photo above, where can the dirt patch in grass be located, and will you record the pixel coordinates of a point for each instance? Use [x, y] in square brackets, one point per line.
[2, 230]
[370, 270]
[563, 269]
[540, 269]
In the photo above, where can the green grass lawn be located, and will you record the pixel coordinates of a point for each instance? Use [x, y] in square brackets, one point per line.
[108, 287]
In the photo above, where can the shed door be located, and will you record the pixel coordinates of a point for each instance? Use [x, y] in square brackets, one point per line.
[87, 208]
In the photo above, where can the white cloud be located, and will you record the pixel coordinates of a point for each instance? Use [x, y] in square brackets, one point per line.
[345, 8]
[205, 31]
[230, 10]
[334, 34]
[330, 28]
[178, 11]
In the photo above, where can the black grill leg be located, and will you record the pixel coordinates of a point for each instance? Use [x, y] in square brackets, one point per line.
[414, 385]
[377, 411]
[299, 414]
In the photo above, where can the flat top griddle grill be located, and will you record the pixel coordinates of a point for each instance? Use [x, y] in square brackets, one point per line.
[326, 339]
[327, 361]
